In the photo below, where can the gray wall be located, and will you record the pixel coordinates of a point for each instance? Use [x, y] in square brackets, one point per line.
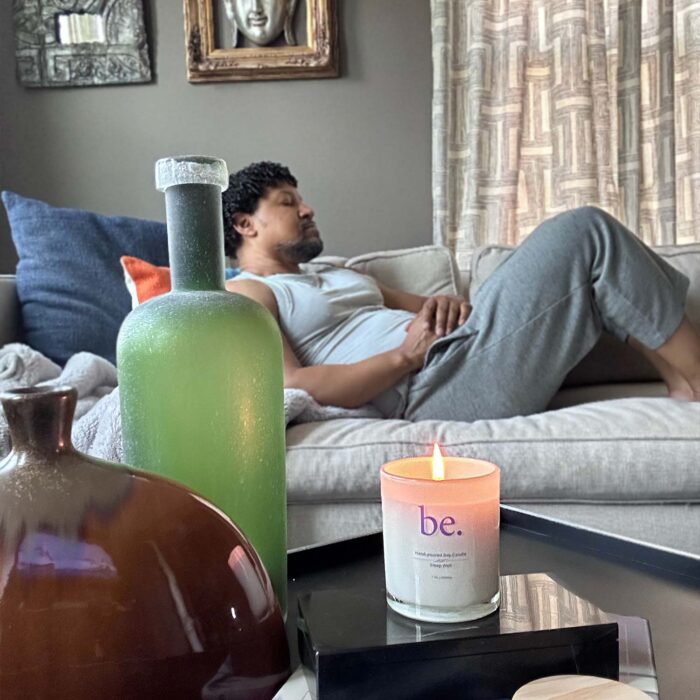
[359, 144]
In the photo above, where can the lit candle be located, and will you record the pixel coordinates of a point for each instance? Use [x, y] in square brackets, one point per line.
[441, 529]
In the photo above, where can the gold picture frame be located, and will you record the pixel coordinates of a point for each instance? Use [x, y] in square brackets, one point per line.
[207, 63]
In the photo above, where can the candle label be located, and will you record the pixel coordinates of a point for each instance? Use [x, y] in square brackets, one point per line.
[441, 556]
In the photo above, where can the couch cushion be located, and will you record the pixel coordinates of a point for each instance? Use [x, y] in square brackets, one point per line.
[426, 270]
[69, 280]
[627, 450]
[144, 280]
[686, 258]
[485, 260]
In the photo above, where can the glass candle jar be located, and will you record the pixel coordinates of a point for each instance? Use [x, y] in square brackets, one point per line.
[441, 538]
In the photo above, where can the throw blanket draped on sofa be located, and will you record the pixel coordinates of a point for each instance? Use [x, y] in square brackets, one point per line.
[97, 425]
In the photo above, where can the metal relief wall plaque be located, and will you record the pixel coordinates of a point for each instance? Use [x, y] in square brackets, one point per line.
[80, 42]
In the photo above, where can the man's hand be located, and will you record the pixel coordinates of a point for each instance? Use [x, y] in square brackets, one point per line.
[419, 337]
[443, 313]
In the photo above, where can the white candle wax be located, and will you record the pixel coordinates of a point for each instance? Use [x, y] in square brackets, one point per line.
[441, 538]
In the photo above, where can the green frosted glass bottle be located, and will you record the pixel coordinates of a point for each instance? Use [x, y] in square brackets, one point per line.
[201, 375]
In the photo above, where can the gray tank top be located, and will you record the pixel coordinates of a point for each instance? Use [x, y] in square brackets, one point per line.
[337, 316]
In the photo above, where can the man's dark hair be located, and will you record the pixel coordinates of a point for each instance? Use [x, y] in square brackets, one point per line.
[245, 189]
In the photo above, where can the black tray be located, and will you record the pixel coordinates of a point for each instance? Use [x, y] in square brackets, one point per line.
[618, 575]
[662, 561]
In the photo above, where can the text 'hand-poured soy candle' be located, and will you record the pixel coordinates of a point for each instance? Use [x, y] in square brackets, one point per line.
[441, 535]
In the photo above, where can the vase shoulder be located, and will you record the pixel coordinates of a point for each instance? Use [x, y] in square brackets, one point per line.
[197, 310]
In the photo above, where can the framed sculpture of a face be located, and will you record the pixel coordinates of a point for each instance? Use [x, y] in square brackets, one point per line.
[260, 39]
[261, 21]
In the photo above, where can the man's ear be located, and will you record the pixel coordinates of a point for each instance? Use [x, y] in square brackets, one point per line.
[243, 223]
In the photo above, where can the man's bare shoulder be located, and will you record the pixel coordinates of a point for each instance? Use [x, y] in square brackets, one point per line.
[255, 290]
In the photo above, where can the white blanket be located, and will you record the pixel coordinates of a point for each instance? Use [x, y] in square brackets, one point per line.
[97, 425]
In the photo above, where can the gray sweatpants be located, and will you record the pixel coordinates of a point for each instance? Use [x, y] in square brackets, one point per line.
[541, 312]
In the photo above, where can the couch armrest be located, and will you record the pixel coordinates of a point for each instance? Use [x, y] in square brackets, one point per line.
[9, 310]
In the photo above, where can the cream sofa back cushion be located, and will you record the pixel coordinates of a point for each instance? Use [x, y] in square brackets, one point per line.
[426, 270]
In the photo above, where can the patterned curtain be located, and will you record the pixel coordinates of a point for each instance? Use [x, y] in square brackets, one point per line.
[540, 106]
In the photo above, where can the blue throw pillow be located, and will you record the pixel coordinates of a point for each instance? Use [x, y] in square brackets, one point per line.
[69, 280]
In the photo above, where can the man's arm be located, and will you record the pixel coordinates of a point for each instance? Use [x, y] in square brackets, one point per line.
[396, 299]
[348, 385]
[444, 312]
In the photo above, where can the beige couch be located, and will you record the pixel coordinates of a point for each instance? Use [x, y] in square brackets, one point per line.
[612, 454]
[615, 455]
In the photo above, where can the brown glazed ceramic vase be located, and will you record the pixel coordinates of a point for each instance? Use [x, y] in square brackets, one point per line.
[117, 583]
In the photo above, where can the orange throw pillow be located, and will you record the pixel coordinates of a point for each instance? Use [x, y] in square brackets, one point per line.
[144, 280]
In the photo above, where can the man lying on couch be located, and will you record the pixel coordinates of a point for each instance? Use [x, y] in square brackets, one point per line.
[349, 341]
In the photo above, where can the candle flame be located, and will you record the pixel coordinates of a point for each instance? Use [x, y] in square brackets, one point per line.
[438, 464]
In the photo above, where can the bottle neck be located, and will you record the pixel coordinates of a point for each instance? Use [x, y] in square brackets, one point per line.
[195, 237]
[40, 419]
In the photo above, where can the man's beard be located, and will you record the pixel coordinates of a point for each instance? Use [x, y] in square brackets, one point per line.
[301, 251]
